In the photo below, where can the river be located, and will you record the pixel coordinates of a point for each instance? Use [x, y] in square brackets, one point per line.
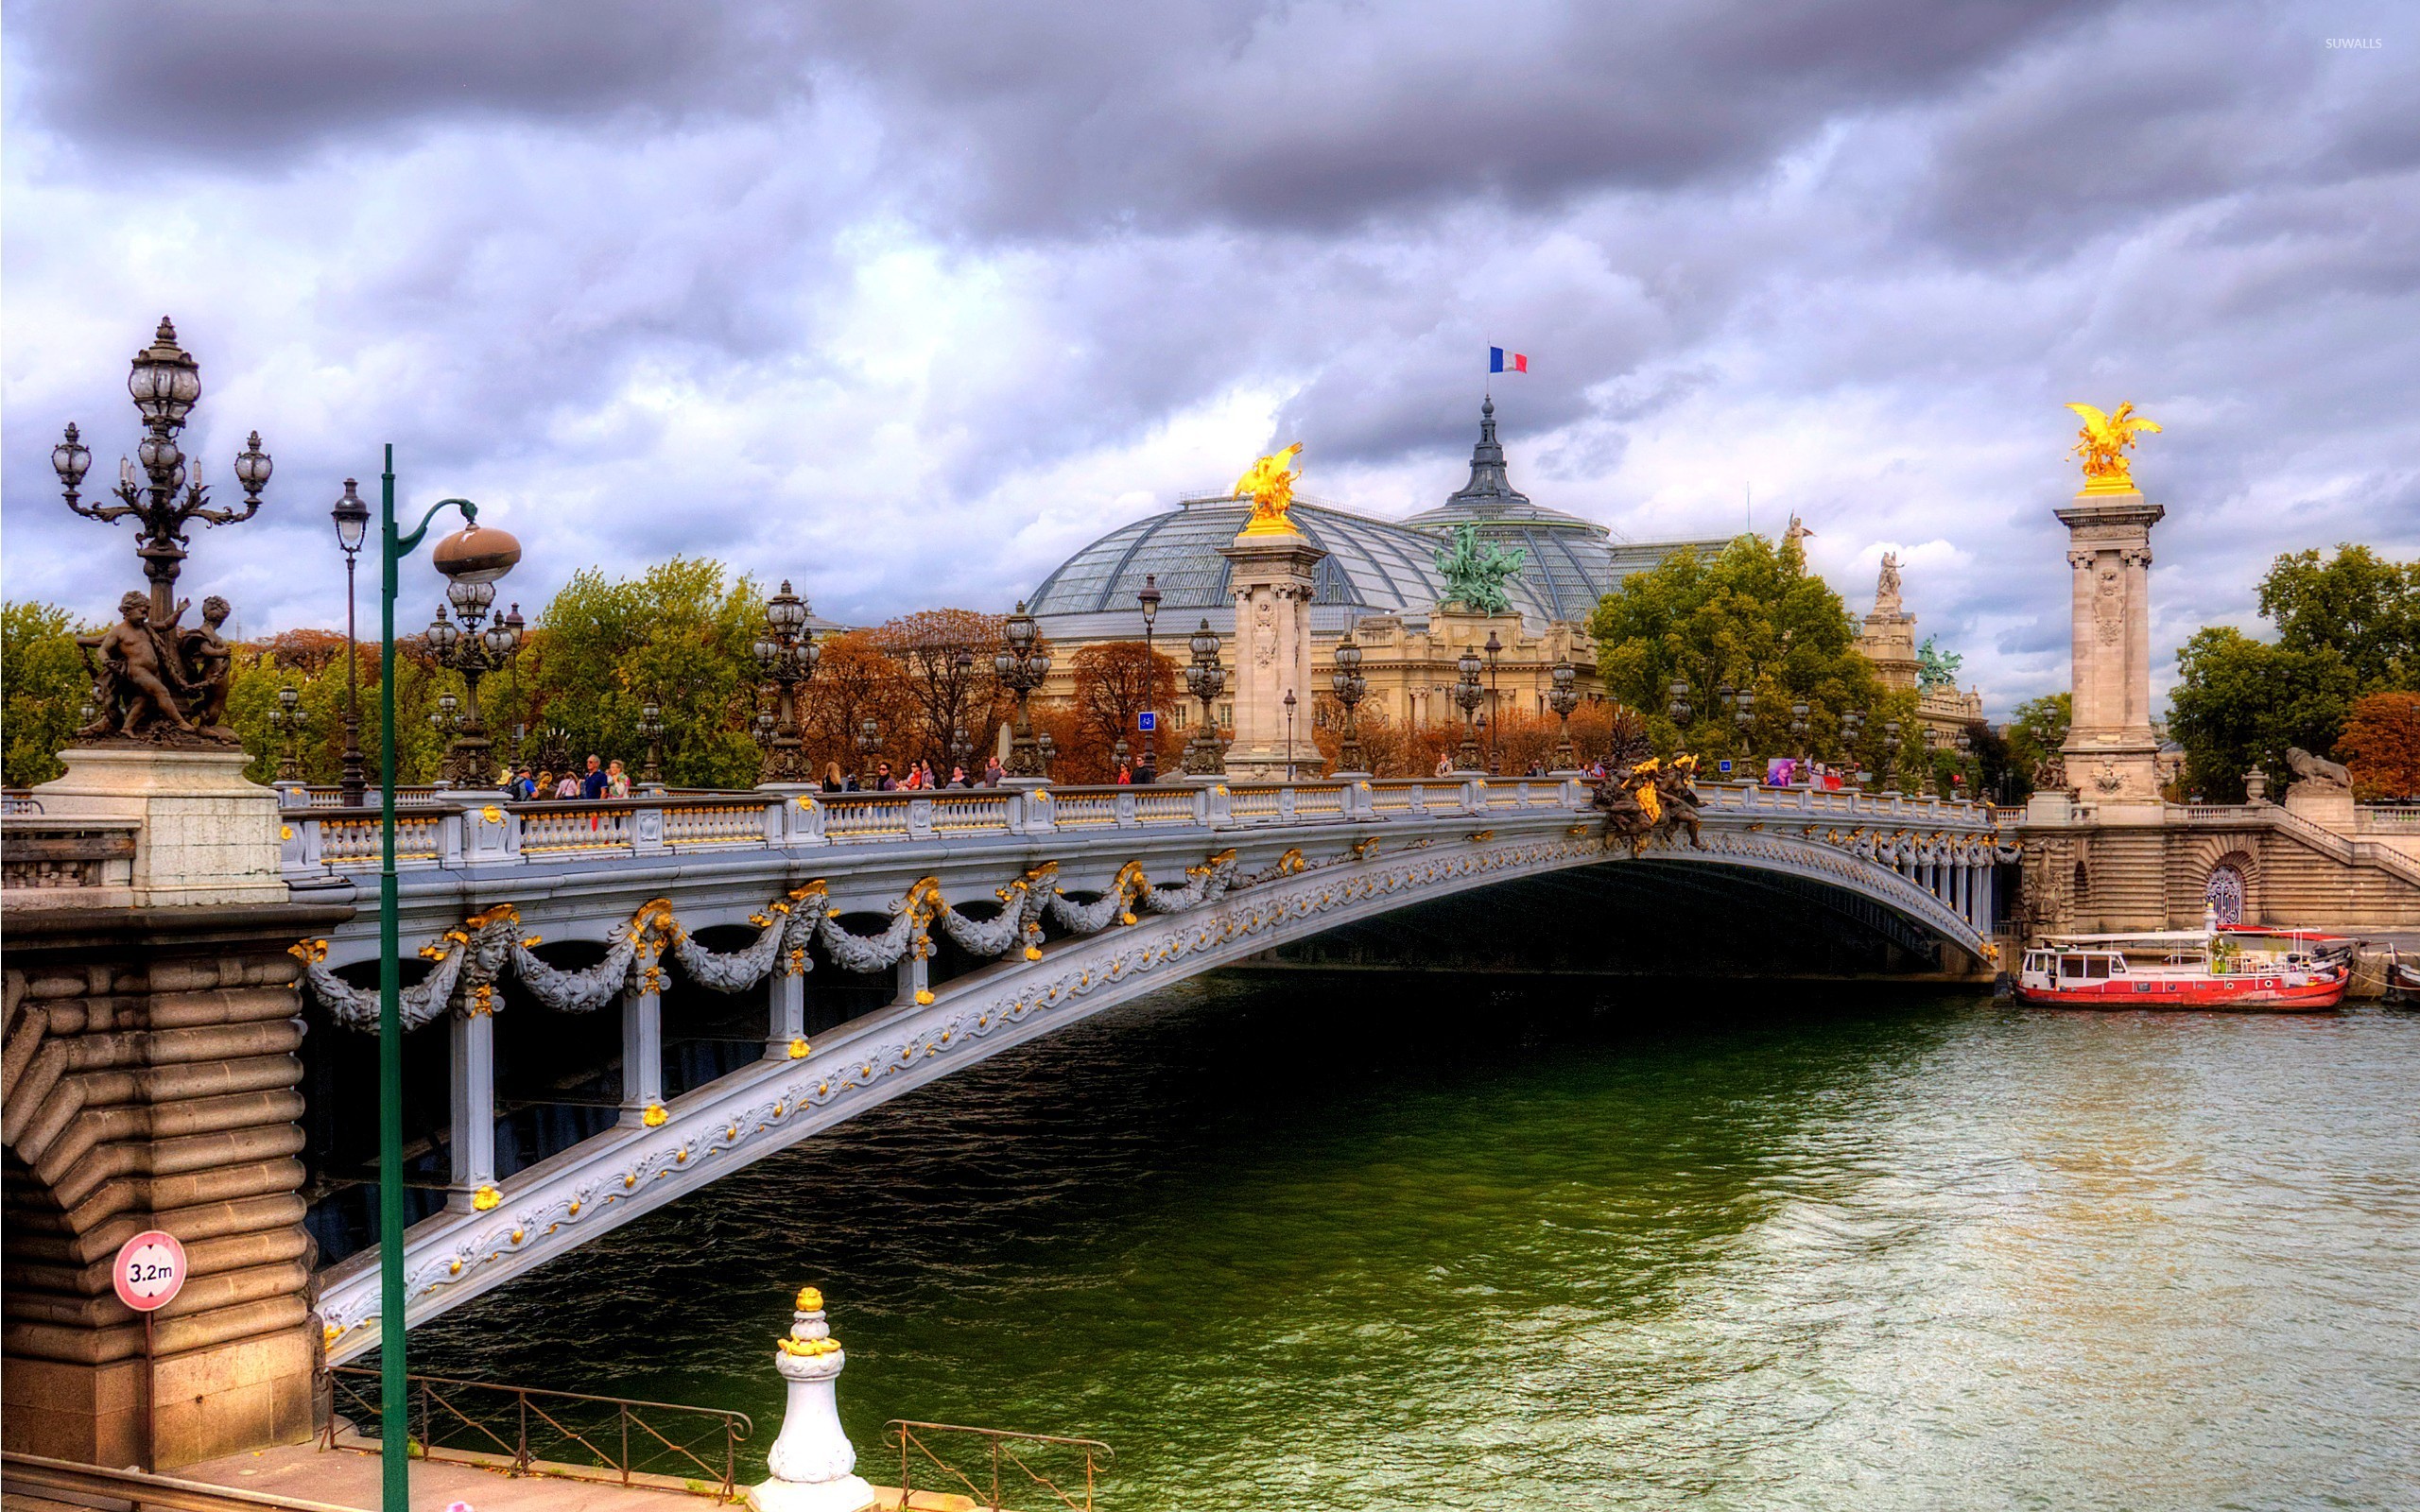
[1385, 1243]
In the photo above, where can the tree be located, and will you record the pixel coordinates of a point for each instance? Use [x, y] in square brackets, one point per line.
[2239, 702]
[2357, 604]
[679, 635]
[856, 681]
[2037, 732]
[1116, 681]
[2381, 745]
[1753, 618]
[944, 658]
[47, 682]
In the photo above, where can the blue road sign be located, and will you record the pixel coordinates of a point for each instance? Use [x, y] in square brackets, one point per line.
[1146, 721]
[1723, 766]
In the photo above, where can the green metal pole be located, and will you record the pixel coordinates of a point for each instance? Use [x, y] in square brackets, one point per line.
[394, 1444]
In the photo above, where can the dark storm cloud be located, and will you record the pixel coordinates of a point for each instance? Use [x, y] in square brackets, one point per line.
[912, 299]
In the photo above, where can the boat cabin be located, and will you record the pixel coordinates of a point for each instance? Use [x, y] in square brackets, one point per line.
[2069, 966]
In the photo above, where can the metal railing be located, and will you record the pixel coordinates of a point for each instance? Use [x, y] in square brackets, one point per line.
[1020, 1451]
[481, 1422]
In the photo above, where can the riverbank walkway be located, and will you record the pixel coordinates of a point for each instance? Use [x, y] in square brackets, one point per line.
[309, 1478]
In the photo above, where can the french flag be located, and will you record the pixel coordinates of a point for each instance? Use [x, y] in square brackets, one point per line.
[1497, 358]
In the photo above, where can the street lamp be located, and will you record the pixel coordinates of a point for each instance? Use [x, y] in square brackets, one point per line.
[1148, 596]
[1851, 731]
[1468, 696]
[166, 383]
[1205, 680]
[1677, 706]
[1798, 725]
[1566, 697]
[1494, 713]
[1290, 734]
[288, 718]
[1889, 748]
[651, 730]
[786, 658]
[479, 555]
[352, 517]
[1021, 667]
[1350, 688]
[869, 743]
[473, 653]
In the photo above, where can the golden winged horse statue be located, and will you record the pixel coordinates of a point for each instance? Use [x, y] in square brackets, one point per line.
[1269, 486]
[2102, 444]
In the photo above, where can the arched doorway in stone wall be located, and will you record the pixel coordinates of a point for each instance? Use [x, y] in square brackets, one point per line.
[2222, 893]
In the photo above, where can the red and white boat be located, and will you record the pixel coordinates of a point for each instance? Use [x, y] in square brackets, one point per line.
[2232, 968]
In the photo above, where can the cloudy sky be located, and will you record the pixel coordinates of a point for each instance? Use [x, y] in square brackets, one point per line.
[909, 301]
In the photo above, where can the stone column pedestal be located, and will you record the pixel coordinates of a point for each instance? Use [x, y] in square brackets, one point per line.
[1273, 579]
[2112, 754]
[812, 1463]
[207, 837]
[2325, 804]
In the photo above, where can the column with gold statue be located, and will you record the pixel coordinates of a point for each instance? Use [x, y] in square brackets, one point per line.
[2112, 754]
[1275, 567]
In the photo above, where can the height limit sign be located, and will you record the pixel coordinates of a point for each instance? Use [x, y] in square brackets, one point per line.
[151, 1270]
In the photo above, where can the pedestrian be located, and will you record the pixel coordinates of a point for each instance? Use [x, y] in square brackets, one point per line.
[832, 779]
[1146, 772]
[567, 788]
[993, 771]
[593, 785]
[932, 778]
[617, 782]
[544, 786]
[883, 781]
[1125, 774]
[958, 777]
[523, 786]
[910, 782]
[1444, 766]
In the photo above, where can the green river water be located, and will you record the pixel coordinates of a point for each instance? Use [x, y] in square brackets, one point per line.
[1365, 1243]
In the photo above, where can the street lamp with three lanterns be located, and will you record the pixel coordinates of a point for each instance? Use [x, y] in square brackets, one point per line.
[1565, 697]
[1021, 666]
[787, 656]
[1205, 680]
[1350, 688]
[1468, 696]
[470, 758]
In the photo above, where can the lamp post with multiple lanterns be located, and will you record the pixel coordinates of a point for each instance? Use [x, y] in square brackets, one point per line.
[1021, 667]
[1468, 696]
[1562, 699]
[470, 758]
[785, 658]
[287, 719]
[1148, 596]
[1205, 680]
[1350, 688]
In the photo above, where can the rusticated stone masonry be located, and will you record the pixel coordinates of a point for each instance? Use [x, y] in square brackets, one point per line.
[149, 1080]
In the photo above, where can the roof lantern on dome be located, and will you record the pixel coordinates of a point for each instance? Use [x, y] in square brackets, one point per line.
[1490, 497]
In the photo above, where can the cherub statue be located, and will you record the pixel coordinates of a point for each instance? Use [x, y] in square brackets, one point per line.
[210, 667]
[135, 685]
[2102, 444]
[1677, 795]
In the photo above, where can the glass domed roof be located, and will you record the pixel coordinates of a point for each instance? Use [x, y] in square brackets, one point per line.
[1371, 567]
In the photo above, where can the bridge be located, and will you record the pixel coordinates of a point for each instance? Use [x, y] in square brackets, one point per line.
[934, 930]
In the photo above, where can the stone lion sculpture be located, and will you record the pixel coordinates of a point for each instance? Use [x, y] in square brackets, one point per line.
[2317, 770]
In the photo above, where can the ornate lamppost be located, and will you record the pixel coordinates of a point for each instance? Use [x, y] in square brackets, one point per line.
[165, 384]
[1743, 714]
[1468, 696]
[1148, 596]
[1798, 727]
[470, 760]
[352, 519]
[651, 730]
[1494, 711]
[286, 719]
[1890, 749]
[1205, 680]
[869, 743]
[1677, 704]
[1851, 731]
[1565, 697]
[1290, 734]
[1021, 668]
[1350, 688]
[786, 657]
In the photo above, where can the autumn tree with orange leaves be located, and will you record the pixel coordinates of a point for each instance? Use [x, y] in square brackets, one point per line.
[2381, 746]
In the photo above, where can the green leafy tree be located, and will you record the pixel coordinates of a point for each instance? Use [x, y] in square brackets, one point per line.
[679, 635]
[2240, 702]
[2037, 731]
[2357, 604]
[1753, 618]
[47, 682]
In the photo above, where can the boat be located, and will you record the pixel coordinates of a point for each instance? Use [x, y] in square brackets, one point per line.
[2402, 981]
[2230, 968]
